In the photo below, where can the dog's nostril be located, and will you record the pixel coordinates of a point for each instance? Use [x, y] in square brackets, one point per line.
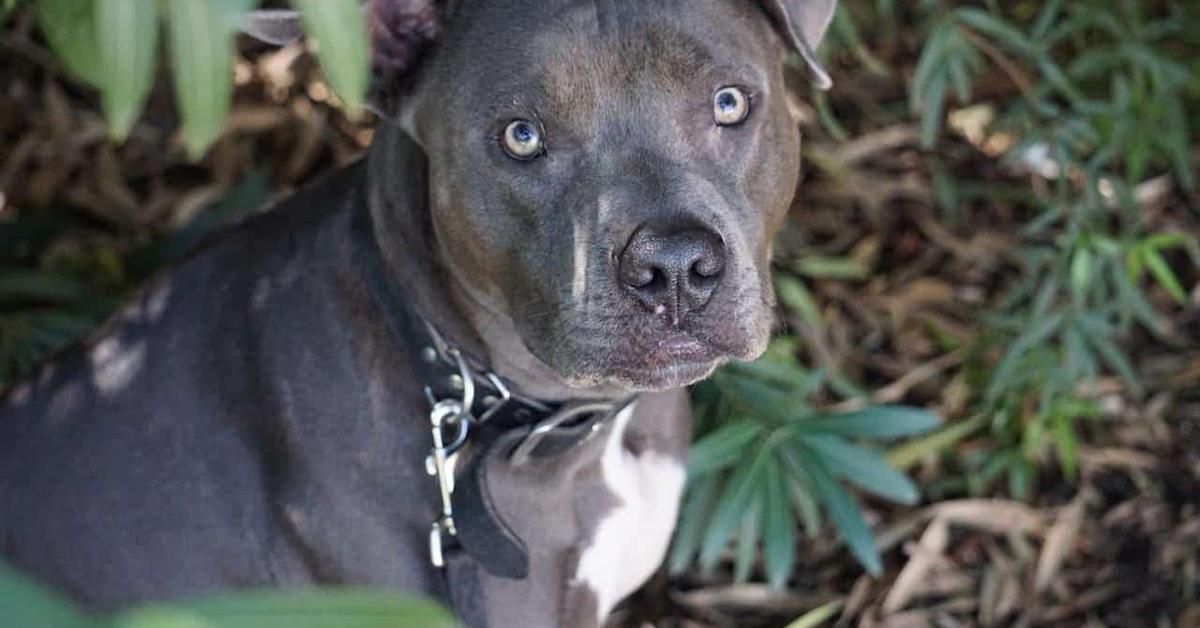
[708, 267]
[672, 272]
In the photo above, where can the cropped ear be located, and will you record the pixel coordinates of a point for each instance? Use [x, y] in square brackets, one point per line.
[803, 24]
[400, 30]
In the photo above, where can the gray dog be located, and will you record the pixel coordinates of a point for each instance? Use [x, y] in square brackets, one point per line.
[455, 368]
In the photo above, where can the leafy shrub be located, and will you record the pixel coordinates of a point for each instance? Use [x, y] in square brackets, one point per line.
[28, 605]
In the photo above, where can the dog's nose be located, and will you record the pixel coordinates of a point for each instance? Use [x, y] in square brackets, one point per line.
[672, 272]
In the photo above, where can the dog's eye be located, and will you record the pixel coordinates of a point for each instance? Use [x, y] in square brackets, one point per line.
[730, 106]
[522, 140]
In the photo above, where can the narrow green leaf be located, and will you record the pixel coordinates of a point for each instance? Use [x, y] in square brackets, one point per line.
[845, 516]
[909, 454]
[797, 297]
[202, 49]
[933, 110]
[722, 448]
[1034, 337]
[817, 617]
[731, 509]
[1097, 334]
[861, 467]
[747, 540]
[778, 526]
[127, 39]
[340, 30]
[801, 493]
[24, 287]
[1164, 275]
[885, 422]
[70, 29]
[697, 508]
[997, 29]
[1067, 445]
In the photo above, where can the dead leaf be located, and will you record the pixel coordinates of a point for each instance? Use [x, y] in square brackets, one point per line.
[1060, 542]
[912, 579]
[996, 516]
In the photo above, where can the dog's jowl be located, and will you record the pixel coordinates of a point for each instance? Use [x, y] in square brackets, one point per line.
[454, 369]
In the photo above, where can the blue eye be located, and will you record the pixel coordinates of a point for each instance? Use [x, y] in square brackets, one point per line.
[731, 106]
[522, 140]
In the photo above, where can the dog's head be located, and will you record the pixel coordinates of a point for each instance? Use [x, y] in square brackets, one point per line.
[609, 174]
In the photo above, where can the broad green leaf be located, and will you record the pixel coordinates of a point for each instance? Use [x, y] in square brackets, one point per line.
[318, 609]
[845, 516]
[340, 30]
[861, 467]
[161, 618]
[884, 422]
[202, 49]
[723, 447]
[127, 43]
[70, 29]
[25, 603]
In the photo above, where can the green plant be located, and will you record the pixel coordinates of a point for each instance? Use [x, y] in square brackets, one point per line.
[765, 459]
[28, 605]
[1101, 104]
[113, 45]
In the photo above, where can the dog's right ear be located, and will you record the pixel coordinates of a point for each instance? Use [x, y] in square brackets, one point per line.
[400, 32]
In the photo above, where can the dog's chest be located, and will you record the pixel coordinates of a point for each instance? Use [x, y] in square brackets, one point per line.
[628, 542]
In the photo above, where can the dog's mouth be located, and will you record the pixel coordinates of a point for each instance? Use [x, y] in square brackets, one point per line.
[660, 361]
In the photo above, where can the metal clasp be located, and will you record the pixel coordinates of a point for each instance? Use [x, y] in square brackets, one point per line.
[446, 415]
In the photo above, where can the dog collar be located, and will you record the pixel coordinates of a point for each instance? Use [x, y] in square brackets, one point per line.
[473, 411]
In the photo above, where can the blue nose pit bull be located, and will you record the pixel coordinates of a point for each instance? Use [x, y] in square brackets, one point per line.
[454, 368]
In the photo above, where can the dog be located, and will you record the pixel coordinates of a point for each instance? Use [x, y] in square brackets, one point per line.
[455, 368]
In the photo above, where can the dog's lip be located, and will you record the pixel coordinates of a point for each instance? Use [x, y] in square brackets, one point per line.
[681, 345]
[667, 376]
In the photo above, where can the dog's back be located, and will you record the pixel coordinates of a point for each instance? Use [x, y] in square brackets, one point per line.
[129, 469]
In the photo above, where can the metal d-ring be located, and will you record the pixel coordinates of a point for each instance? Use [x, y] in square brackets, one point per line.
[520, 456]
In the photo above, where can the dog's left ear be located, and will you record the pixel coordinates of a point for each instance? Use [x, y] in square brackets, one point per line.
[803, 24]
[400, 31]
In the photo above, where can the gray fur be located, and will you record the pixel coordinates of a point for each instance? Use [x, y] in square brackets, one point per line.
[251, 421]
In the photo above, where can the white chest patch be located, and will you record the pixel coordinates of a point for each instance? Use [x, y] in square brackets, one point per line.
[631, 540]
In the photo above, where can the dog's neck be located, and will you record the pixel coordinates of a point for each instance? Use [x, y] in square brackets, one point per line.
[397, 193]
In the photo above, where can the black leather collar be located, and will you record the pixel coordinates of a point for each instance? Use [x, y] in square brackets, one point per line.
[498, 420]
